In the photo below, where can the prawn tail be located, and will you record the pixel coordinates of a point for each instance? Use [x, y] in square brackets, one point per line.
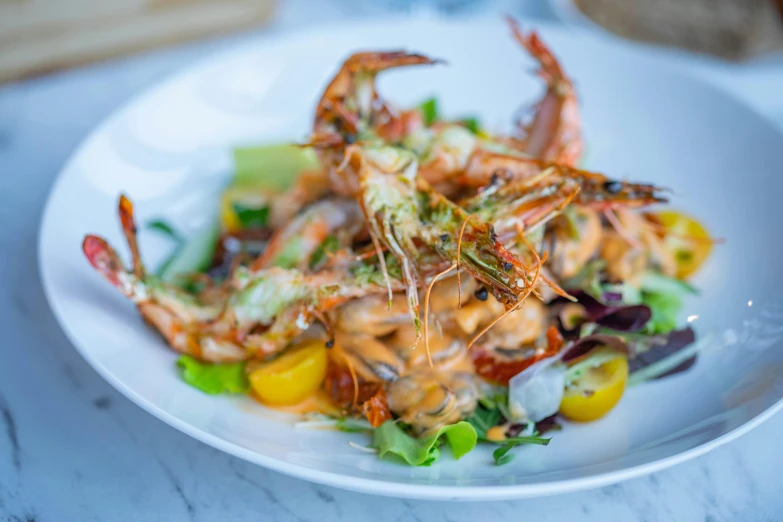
[550, 67]
[104, 259]
[125, 210]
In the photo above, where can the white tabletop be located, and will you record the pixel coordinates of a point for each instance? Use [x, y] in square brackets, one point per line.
[74, 449]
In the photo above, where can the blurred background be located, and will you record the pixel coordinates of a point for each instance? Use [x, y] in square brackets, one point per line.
[41, 36]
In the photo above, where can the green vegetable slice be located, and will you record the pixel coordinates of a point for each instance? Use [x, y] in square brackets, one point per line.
[165, 228]
[214, 378]
[272, 166]
[194, 255]
[389, 437]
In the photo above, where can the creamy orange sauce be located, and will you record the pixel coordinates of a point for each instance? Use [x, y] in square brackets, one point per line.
[316, 403]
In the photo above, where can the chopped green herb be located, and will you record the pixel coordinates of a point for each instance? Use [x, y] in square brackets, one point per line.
[252, 217]
[214, 378]
[429, 111]
[684, 256]
[368, 274]
[191, 284]
[329, 246]
[389, 437]
[472, 124]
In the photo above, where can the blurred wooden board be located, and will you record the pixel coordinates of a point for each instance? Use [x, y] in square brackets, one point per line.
[732, 29]
[40, 36]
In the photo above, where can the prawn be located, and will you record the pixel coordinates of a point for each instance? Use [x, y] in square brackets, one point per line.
[293, 245]
[263, 312]
[554, 133]
[595, 189]
[428, 399]
[404, 213]
[176, 314]
[350, 110]
[269, 307]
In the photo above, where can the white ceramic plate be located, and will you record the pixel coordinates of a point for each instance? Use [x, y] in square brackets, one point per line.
[169, 150]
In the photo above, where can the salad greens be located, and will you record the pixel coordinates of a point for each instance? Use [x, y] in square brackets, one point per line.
[276, 166]
[502, 455]
[389, 437]
[250, 217]
[190, 255]
[664, 296]
[272, 166]
[488, 414]
[214, 378]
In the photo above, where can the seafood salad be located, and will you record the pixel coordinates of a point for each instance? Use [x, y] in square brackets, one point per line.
[421, 279]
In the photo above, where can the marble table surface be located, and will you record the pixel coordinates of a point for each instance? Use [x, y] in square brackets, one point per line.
[74, 449]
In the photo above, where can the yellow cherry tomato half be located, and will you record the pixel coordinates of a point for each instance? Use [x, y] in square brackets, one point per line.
[596, 392]
[292, 377]
[687, 239]
[228, 217]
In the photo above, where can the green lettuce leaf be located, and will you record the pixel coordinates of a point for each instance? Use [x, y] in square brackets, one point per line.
[664, 296]
[214, 378]
[665, 310]
[389, 437]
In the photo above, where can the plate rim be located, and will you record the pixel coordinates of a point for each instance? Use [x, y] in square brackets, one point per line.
[336, 479]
